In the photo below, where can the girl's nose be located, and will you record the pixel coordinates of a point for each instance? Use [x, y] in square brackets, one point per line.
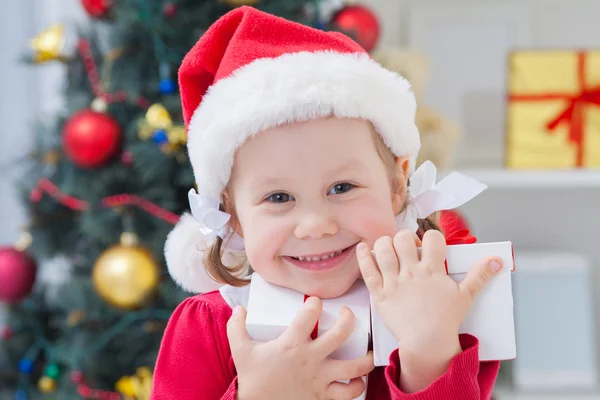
[316, 226]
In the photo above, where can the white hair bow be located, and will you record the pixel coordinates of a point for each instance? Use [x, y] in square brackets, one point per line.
[213, 222]
[426, 197]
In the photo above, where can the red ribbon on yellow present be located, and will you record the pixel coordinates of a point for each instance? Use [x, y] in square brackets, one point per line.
[572, 114]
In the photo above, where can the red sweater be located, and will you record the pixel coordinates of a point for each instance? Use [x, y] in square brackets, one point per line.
[194, 362]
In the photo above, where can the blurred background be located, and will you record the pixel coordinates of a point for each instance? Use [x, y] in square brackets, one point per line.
[94, 172]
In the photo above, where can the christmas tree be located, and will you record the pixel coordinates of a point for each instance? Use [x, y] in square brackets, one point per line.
[84, 293]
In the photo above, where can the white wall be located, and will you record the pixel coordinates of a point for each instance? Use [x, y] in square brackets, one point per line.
[18, 107]
[553, 23]
[28, 93]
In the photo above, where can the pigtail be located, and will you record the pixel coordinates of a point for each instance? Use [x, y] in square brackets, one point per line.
[230, 274]
[225, 266]
[427, 224]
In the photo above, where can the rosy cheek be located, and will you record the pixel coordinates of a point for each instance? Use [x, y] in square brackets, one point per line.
[372, 223]
[376, 228]
[264, 241]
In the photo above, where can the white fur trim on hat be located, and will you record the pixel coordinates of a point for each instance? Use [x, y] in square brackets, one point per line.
[291, 88]
[185, 250]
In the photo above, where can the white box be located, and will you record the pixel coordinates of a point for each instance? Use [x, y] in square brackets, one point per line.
[491, 317]
[272, 308]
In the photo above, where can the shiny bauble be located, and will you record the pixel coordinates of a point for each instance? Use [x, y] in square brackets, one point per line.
[360, 23]
[97, 8]
[46, 384]
[126, 275]
[17, 274]
[91, 138]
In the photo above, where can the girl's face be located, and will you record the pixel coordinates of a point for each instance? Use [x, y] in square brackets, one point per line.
[305, 194]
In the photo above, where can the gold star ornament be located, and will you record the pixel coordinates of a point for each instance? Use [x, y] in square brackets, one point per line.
[54, 44]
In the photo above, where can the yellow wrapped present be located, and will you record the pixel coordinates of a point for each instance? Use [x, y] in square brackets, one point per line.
[553, 111]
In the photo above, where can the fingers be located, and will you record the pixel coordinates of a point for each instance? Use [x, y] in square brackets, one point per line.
[346, 391]
[406, 249]
[479, 276]
[338, 334]
[343, 370]
[236, 331]
[368, 268]
[418, 241]
[304, 322]
[387, 260]
[433, 252]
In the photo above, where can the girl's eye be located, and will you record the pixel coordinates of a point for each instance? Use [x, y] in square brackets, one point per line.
[279, 198]
[340, 188]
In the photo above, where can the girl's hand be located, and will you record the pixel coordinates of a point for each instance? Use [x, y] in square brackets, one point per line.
[294, 366]
[419, 304]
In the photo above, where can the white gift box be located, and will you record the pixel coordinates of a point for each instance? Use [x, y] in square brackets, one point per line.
[272, 308]
[490, 318]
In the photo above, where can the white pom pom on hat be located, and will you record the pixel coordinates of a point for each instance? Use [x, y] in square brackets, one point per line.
[185, 257]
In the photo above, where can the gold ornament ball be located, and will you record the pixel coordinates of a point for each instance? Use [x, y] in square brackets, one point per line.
[158, 117]
[46, 384]
[126, 275]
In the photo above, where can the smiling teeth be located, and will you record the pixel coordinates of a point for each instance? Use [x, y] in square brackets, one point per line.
[325, 257]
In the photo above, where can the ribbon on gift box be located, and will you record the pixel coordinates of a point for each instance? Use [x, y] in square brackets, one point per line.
[460, 236]
[572, 114]
[315, 333]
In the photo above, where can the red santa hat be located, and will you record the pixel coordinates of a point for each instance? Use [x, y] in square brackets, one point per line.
[252, 71]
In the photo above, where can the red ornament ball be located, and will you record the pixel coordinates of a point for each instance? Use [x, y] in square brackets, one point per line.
[6, 333]
[91, 138]
[127, 158]
[97, 8]
[170, 10]
[360, 23]
[77, 376]
[17, 274]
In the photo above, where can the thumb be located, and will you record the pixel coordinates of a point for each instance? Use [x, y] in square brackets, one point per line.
[479, 276]
[236, 330]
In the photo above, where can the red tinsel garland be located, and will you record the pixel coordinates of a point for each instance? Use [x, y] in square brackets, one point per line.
[94, 78]
[46, 186]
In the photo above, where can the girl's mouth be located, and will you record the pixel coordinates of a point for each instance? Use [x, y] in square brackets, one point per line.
[321, 262]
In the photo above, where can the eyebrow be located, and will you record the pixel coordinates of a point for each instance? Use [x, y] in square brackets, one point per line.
[353, 165]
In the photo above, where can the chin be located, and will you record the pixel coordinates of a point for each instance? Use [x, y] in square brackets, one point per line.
[328, 290]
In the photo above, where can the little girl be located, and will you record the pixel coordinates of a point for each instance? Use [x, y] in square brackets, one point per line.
[302, 147]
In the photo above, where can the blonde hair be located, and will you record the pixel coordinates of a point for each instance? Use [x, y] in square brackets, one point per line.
[230, 274]
[389, 161]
